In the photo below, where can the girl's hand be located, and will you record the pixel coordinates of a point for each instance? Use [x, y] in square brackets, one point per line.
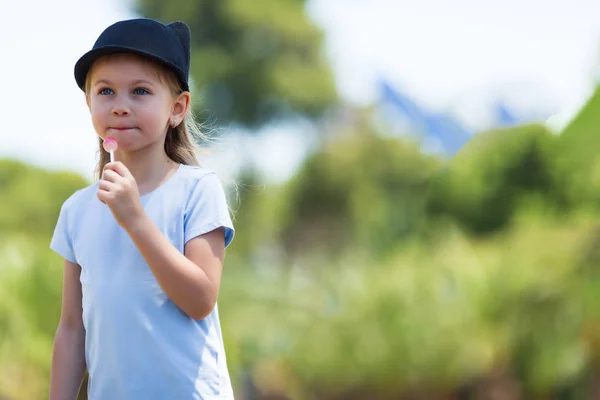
[119, 191]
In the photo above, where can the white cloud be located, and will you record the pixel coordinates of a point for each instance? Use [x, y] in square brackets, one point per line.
[442, 52]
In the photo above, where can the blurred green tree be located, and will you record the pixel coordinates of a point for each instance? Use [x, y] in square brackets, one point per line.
[30, 274]
[31, 197]
[577, 156]
[363, 191]
[497, 172]
[252, 61]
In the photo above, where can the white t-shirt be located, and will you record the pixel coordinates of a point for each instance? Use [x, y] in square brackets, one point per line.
[139, 344]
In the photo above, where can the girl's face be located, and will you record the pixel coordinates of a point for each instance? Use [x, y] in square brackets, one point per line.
[129, 101]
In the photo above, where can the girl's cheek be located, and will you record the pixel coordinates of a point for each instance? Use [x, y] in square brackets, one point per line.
[98, 106]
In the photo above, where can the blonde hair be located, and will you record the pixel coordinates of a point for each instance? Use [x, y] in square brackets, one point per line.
[181, 142]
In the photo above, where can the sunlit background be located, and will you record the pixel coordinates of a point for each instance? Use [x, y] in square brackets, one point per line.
[414, 184]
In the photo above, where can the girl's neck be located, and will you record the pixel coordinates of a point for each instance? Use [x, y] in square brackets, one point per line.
[149, 170]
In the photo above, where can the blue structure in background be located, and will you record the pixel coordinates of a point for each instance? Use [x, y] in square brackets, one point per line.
[504, 117]
[442, 128]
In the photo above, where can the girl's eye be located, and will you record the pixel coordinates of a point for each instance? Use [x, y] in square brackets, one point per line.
[105, 91]
[140, 91]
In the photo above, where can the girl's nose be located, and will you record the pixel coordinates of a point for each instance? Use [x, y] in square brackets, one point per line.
[120, 111]
[120, 108]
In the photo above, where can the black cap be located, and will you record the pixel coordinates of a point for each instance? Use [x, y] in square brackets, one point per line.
[167, 44]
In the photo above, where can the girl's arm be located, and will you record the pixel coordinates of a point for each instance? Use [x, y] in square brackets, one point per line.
[68, 356]
[191, 280]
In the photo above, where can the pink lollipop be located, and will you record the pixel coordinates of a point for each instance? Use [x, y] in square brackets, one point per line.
[110, 145]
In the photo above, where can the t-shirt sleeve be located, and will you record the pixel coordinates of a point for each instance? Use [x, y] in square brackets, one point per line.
[62, 242]
[207, 210]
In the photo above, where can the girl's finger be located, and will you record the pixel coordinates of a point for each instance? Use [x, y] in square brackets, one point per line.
[102, 195]
[119, 168]
[110, 176]
[105, 185]
[122, 170]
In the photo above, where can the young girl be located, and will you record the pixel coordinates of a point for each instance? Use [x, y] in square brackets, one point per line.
[143, 247]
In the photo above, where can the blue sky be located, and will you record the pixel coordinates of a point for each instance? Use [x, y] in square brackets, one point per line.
[449, 55]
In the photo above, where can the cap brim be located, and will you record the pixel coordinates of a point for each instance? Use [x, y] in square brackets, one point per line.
[83, 65]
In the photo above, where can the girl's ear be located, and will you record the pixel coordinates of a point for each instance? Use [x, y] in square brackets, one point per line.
[180, 107]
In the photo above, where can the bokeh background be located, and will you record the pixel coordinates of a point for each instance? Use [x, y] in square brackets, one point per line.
[415, 187]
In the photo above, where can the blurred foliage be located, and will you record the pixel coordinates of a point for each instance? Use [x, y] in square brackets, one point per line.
[495, 174]
[375, 272]
[30, 275]
[577, 157]
[31, 197]
[252, 61]
[361, 191]
[479, 279]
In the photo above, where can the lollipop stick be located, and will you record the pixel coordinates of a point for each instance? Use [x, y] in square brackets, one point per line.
[112, 156]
